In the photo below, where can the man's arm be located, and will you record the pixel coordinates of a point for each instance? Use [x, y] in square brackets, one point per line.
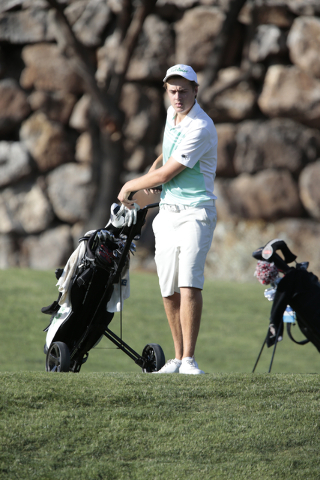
[155, 177]
[156, 164]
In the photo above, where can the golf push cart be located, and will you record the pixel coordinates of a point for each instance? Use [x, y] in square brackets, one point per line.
[295, 296]
[91, 289]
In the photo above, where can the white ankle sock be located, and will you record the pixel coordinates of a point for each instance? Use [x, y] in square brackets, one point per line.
[187, 358]
[177, 360]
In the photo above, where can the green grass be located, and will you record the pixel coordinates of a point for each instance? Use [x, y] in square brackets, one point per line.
[234, 324]
[228, 424]
[138, 426]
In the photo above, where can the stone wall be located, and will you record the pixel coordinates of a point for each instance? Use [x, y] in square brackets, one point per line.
[268, 124]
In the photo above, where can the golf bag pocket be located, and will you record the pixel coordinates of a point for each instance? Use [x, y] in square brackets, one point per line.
[85, 277]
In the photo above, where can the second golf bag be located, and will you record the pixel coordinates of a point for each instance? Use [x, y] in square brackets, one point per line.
[297, 288]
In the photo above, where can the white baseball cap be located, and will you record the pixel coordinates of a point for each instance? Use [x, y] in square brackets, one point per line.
[183, 71]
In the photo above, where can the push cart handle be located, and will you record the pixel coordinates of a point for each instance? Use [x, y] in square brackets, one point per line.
[131, 195]
[151, 205]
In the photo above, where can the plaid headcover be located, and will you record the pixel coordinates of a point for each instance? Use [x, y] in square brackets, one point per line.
[266, 272]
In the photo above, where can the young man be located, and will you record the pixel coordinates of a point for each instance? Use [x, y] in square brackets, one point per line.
[187, 218]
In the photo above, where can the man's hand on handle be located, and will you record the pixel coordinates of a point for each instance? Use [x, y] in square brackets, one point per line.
[125, 197]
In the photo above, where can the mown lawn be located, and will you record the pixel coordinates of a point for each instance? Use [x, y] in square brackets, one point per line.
[234, 324]
[113, 422]
[143, 426]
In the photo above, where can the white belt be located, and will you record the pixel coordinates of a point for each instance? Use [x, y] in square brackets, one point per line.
[174, 208]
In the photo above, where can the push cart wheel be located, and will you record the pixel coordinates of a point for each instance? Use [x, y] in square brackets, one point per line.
[154, 356]
[58, 358]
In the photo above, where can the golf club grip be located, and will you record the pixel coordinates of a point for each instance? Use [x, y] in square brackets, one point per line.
[131, 195]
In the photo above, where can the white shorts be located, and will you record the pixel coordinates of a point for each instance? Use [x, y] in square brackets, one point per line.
[183, 239]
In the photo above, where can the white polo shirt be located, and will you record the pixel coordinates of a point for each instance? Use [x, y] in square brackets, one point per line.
[193, 143]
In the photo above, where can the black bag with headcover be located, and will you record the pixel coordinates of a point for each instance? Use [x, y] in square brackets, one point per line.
[298, 288]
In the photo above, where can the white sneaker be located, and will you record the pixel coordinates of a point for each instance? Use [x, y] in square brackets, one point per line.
[172, 366]
[195, 362]
[190, 366]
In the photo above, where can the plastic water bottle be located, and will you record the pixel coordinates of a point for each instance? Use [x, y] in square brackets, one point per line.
[289, 315]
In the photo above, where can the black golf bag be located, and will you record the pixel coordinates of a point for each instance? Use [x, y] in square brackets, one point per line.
[82, 313]
[298, 288]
